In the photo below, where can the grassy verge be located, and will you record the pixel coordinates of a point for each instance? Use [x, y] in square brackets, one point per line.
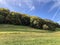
[23, 35]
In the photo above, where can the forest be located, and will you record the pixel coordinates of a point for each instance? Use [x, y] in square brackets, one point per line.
[16, 18]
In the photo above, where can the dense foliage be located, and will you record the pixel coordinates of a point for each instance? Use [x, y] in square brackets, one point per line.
[7, 17]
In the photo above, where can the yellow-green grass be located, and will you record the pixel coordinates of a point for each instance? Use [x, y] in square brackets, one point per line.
[23, 35]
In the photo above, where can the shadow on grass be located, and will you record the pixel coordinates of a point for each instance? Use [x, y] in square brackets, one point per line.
[21, 28]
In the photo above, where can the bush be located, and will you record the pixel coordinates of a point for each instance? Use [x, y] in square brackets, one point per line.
[4, 13]
[14, 18]
[25, 19]
[1, 19]
[34, 22]
[49, 27]
[45, 27]
[52, 28]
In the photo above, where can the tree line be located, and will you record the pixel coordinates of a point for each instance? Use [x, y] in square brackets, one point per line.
[8, 17]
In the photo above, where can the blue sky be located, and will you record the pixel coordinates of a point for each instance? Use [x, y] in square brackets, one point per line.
[47, 9]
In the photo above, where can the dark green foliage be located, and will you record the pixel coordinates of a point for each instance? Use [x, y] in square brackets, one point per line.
[52, 28]
[4, 13]
[25, 19]
[14, 18]
[36, 22]
[1, 19]
[52, 25]
[7, 17]
[57, 25]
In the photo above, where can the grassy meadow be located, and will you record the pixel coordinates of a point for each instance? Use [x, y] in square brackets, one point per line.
[23, 35]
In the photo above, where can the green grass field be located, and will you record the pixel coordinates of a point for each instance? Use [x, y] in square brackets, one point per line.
[23, 35]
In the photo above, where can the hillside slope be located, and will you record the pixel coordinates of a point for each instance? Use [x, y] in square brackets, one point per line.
[23, 35]
[15, 18]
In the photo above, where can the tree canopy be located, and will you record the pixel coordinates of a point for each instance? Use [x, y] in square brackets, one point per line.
[8, 17]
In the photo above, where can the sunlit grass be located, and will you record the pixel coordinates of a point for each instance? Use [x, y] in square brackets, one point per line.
[28, 38]
[23, 35]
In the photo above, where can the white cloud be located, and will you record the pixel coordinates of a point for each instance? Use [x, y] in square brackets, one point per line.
[56, 4]
[59, 21]
[20, 4]
[28, 4]
[44, 1]
[3, 2]
[55, 14]
[23, 4]
[32, 8]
